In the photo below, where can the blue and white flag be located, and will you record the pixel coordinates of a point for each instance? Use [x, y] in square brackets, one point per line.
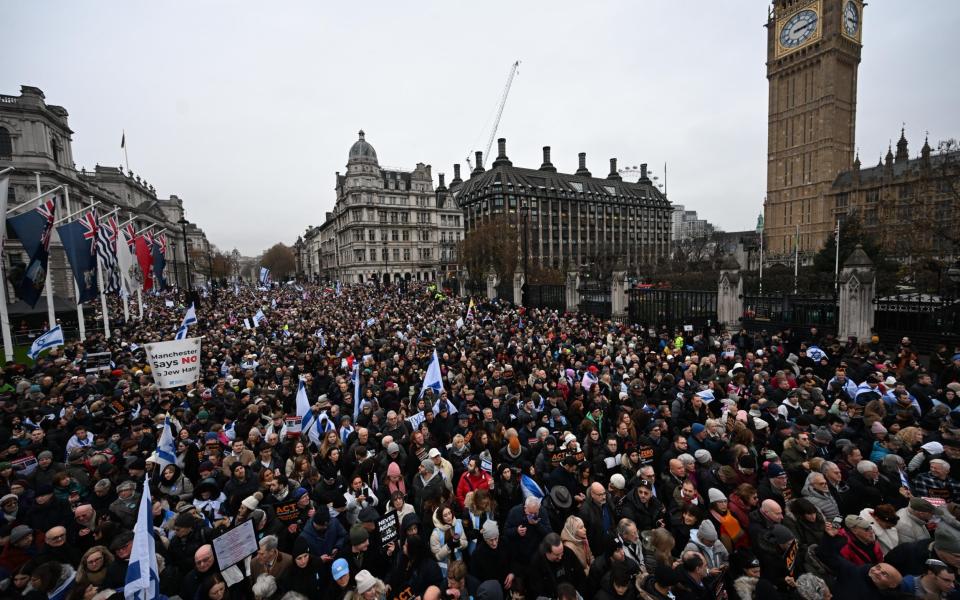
[356, 390]
[273, 304]
[529, 487]
[309, 421]
[142, 581]
[167, 445]
[589, 380]
[48, 340]
[231, 430]
[264, 276]
[448, 405]
[188, 319]
[339, 289]
[706, 395]
[816, 353]
[434, 378]
[258, 317]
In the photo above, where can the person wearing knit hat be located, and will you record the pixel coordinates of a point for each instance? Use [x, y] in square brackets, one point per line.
[702, 456]
[368, 586]
[706, 541]
[715, 495]
[490, 531]
[252, 502]
[359, 538]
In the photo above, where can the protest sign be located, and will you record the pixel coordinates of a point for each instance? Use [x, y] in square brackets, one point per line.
[24, 466]
[235, 545]
[174, 363]
[97, 361]
[389, 528]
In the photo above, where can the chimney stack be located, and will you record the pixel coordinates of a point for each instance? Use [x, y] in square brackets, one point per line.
[441, 181]
[502, 159]
[547, 165]
[583, 165]
[643, 174]
[456, 174]
[478, 167]
[614, 174]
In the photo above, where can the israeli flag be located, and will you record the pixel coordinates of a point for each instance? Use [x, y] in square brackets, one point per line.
[449, 406]
[264, 276]
[816, 353]
[309, 421]
[142, 582]
[188, 319]
[529, 487]
[589, 380]
[434, 378]
[50, 339]
[167, 446]
[231, 431]
[273, 304]
[356, 390]
[258, 317]
[246, 323]
[706, 396]
[339, 289]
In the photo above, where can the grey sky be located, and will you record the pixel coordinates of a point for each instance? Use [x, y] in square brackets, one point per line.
[246, 109]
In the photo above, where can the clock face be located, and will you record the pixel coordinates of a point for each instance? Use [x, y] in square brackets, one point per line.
[798, 29]
[851, 19]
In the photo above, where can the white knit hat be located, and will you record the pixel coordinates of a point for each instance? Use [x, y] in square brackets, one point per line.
[252, 502]
[365, 581]
[715, 495]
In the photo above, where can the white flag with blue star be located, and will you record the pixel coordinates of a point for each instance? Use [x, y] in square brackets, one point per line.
[167, 445]
[142, 581]
[48, 340]
[188, 319]
[434, 378]
[308, 419]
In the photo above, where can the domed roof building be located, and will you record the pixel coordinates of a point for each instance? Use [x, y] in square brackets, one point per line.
[387, 223]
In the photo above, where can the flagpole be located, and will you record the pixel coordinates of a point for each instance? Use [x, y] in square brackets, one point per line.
[48, 283]
[76, 212]
[103, 296]
[4, 315]
[796, 259]
[140, 301]
[126, 159]
[35, 198]
[836, 259]
[76, 288]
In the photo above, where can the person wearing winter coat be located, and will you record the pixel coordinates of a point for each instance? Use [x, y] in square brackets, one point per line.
[478, 509]
[642, 507]
[883, 519]
[912, 526]
[490, 560]
[806, 523]
[817, 491]
[574, 536]
[706, 541]
[861, 547]
[447, 540]
[174, 484]
[866, 582]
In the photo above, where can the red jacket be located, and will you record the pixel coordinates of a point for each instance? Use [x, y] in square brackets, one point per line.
[469, 483]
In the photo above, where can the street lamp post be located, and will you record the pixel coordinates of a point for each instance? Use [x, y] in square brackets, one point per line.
[186, 253]
[386, 255]
[176, 271]
[210, 262]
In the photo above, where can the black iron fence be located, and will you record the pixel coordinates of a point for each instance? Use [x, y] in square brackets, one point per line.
[550, 296]
[505, 290]
[928, 320]
[595, 300]
[476, 288]
[775, 312]
[672, 308]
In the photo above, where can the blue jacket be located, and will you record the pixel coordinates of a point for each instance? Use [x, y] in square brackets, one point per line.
[334, 538]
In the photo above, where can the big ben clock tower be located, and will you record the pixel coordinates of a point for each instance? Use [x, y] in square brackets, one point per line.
[813, 51]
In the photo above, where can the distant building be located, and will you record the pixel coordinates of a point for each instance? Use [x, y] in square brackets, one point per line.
[686, 225]
[387, 223]
[571, 219]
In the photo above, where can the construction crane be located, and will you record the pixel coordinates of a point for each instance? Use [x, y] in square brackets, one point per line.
[496, 121]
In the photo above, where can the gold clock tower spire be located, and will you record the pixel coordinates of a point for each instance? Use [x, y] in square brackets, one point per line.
[813, 51]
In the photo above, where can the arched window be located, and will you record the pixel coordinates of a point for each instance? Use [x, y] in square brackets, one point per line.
[55, 149]
[6, 145]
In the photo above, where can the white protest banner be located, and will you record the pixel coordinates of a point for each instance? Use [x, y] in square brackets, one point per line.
[174, 363]
[236, 544]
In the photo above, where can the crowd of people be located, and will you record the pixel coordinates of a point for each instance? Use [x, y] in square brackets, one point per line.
[565, 457]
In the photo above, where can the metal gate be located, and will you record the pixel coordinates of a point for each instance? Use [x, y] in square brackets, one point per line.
[505, 290]
[595, 300]
[776, 312]
[550, 296]
[928, 320]
[672, 308]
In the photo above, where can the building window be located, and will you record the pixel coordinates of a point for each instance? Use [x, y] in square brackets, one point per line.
[372, 235]
[6, 145]
[384, 253]
[406, 235]
[406, 254]
[373, 254]
[395, 235]
[55, 150]
[843, 201]
[396, 254]
[873, 196]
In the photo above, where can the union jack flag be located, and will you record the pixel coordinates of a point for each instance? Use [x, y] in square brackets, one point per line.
[46, 210]
[131, 237]
[162, 239]
[114, 233]
[90, 226]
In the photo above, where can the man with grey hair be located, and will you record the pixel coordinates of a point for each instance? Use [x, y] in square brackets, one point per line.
[526, 526]
[270, 560]
[937, 483]
[264, 587]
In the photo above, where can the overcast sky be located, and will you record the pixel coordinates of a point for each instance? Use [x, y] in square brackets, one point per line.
[247, 109]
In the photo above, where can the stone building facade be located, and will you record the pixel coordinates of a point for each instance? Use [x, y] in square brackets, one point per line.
[571, 220]
[386, 223]
[36, 141]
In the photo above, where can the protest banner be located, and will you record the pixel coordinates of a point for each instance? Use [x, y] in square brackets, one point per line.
[174, 363]
[97, 361]
[389, 528]
[235, 545]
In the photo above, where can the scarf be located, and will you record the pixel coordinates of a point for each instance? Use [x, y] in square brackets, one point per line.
[580, 548]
